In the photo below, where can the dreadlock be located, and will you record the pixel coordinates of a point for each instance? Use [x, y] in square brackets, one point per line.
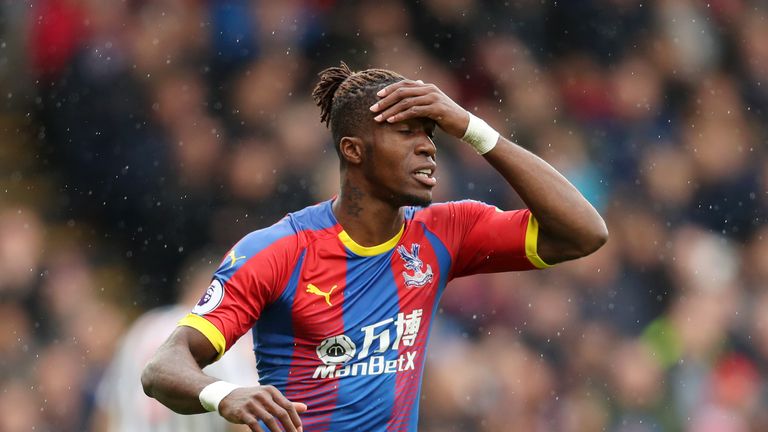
[344, 97]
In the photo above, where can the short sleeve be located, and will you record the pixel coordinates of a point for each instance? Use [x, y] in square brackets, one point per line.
[250, 277]
[490, 240]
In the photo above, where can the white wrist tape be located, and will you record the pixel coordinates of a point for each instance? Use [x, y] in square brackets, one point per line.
[480, 135]
[212, 394]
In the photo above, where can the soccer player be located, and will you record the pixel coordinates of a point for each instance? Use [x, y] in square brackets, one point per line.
[340, 295]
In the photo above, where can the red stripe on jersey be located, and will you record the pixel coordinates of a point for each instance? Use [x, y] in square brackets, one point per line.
[412, 298]
[259, 282]
[318, 320]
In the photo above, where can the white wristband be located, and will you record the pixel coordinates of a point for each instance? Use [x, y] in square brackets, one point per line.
[480, 135]
[212, 394]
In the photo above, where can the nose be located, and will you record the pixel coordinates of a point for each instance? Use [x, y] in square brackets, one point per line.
[425, 146]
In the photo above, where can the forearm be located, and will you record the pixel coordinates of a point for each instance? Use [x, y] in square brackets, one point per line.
[568, 224]
[174, 378]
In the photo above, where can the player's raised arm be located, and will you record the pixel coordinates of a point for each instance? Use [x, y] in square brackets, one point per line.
[569, 227]
[174, 377]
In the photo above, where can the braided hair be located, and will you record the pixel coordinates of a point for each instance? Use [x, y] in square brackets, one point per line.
[344, 97]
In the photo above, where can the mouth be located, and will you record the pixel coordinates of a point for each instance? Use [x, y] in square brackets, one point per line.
[425, 176]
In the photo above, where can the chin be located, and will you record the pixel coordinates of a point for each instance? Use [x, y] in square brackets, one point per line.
[422, 200]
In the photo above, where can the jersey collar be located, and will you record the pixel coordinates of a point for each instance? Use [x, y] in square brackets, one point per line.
[370, 250]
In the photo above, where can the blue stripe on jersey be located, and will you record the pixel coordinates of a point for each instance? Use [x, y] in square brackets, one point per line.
[444, 259]
[410, 212]
[250, 246]
[317, 217]
[273, 335]
[370, 296]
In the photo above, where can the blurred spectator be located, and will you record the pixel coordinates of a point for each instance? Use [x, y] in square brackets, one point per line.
[57, 32]
[121, 403]
[636, 379]
[21, 245]
[19, 410]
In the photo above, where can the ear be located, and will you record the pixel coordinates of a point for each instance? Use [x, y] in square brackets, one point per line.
[352, 149]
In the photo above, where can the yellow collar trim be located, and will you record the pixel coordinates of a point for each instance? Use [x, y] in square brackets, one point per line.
[370, 250]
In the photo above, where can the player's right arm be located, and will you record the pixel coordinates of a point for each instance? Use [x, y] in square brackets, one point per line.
[174, 377]
[246, 282]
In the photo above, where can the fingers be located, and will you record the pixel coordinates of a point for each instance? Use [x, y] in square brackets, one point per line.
[251, 415]
[286, 406]
[279, 413]
[392, 87]
[265, 404]
[284, 409]
[399, 91]
[300, 407]
[409, 107]
[252, 423]
[408, 99]
[274, 425]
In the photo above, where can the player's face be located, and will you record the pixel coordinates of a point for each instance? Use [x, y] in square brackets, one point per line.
[401, 162]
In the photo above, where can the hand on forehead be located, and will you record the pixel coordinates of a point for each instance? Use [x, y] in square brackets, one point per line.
[409, 99]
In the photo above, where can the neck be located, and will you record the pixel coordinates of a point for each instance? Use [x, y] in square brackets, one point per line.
[369, 221]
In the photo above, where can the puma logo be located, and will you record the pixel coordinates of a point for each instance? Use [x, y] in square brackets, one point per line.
[233, 258]
[312, 289]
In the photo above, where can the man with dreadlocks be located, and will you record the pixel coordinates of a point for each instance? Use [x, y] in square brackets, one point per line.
[341, 295]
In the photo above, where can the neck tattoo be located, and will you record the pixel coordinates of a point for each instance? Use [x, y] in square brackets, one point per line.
[353, 196]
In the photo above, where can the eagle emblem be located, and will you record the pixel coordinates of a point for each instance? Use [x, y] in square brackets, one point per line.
[418, 278]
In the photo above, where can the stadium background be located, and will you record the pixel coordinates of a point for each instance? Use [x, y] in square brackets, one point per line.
[135, 135]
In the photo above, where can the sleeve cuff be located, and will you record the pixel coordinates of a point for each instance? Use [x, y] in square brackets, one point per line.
[531, 243]
[208, 330]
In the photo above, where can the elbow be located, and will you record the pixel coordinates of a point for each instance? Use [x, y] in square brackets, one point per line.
[147, 379]
[582, 240]
[595, 237]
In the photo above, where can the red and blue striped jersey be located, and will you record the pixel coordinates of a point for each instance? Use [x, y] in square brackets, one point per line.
[343, 328]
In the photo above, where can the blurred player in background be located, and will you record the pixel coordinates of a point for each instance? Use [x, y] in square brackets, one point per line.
[342, 293]
[121, 404]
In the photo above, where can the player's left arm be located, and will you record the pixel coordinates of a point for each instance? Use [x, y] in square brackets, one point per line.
[569, 227]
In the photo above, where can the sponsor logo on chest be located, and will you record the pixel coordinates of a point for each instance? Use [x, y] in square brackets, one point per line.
[336, 352]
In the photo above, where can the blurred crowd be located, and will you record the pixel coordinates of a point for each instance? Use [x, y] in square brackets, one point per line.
[137, 134]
